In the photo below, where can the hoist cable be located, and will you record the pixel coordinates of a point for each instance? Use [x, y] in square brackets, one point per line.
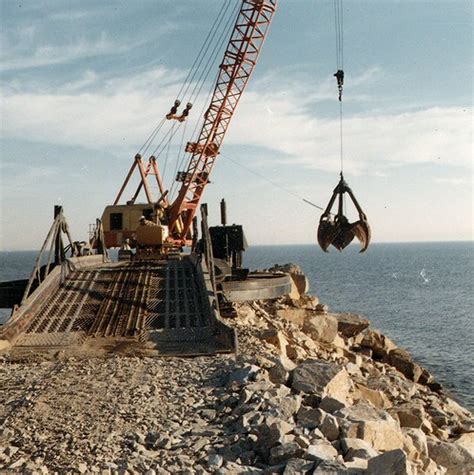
[341, 140]
[192, 71]
[179, 161]
[275, 184]
[151, 137]
[194, 138]
[216, 50]
[170, 134]
[168, 150]
[339, 29]
[204, 50]
[202, 79]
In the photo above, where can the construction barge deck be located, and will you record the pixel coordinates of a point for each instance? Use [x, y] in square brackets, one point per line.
[165, 307]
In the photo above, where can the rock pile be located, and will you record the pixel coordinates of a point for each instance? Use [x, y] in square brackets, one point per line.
[311, 392]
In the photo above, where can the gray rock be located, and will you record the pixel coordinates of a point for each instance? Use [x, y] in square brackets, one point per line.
[283, 452]
[329, 427]
[357, 448]
[393, 462]
[321, 327]
[274, 431]
[215, 461]
[457, 459]
[309, 417]
[330, 404]
[278, 374]
[322, 378]
[321, 451]
[244, 375]
[330, 467]
[298, 467]
[349, 324]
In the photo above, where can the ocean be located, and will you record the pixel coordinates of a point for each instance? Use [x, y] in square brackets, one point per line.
[419, 294]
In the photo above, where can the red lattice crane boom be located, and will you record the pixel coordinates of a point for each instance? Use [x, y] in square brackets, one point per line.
[240, 58]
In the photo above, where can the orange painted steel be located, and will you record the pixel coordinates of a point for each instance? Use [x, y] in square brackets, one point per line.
[241, 55]
[150, 169]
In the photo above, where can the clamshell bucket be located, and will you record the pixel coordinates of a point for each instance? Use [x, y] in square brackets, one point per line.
[336, 229]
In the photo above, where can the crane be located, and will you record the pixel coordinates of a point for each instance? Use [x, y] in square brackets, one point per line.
[172, 220]
[240, 57]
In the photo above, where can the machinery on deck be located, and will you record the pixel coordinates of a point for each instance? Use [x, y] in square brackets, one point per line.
[165, 225]
[155, 294]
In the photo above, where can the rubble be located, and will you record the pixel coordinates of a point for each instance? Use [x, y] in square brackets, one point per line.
[309, 392]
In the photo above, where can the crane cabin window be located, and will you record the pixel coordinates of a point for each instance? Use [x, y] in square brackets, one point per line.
[116, 221]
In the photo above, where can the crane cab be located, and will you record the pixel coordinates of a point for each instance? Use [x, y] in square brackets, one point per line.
[121, 222]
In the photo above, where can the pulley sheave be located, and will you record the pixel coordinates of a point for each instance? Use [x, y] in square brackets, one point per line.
[336, 229]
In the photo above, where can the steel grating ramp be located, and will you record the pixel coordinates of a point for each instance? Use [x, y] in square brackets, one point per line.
[162, 305]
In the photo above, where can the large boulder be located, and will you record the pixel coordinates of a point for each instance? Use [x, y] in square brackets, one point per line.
[357, 448]
[321, 327]
[378, 343]
[418, 438]
[375, 426]
[454, 457]
[309, 417]
[320, 450]
[275, 337]
[394, 462]
[403, 362]
[349, 324]
[293, 315]
[410, 414]
[322, 378]
[283, 452]
[467, 441]
[298, 466]
[375, 397]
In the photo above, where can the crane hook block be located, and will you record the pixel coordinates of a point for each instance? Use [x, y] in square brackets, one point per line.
[172, 113]
[336, 229]
[339, 75]
[185, 113]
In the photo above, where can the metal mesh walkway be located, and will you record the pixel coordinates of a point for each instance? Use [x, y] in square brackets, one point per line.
[126, 300]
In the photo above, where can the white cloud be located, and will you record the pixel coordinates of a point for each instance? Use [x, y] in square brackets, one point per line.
[372, 142]
[46, 55]
[454, 181]
[280, 117]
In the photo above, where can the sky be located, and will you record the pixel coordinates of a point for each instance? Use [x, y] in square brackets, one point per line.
[84, 83]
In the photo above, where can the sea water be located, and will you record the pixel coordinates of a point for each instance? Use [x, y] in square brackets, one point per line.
[419, 294]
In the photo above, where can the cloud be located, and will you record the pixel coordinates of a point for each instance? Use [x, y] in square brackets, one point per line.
[296, 122]
[373, 142]
[454, 181]
[47, 55]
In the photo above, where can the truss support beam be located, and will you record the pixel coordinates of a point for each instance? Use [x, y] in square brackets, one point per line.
[241, 55]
